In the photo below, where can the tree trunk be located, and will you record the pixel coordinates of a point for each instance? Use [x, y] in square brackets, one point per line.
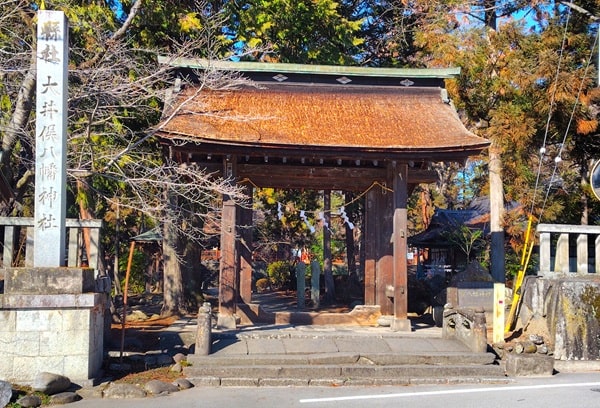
[425, 206]
[191, 277]
[85, 213]
[172, 278]
[21, 114]
[116, 277]
[585, 183]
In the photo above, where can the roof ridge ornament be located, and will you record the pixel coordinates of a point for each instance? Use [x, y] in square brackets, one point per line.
[343, 80]
[280, 78]
[445, 97]
[407, 82]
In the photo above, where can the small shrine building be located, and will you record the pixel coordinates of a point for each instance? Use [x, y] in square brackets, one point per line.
[322, 128]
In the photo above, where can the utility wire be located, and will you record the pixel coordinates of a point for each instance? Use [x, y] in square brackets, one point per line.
[550, 113]
[558, 157]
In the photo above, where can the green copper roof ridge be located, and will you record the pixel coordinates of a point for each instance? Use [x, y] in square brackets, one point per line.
[245, 66]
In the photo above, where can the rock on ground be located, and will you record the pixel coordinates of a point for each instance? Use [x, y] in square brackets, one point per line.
[179, 357]
[29, 401]
[50, 383]
[156, 387]
[64, 398]
[123, 391]
[183, 383]
[5, 393]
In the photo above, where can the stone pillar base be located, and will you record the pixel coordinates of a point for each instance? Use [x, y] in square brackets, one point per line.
[522, 365]
[400, 325]
[51, 320]
[226, 321]
[62, 334]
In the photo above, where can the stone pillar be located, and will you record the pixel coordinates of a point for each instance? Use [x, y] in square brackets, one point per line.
[51, 139]
[203, 331]
[51, 318]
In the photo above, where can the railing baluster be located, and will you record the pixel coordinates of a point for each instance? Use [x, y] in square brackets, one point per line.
[73, 248]
[582, 254]
[74, 226]
[94, 248]
[9, 246]
[545, 253]
[566, 261]
[561, 259]
[597, 254]
[29, 246]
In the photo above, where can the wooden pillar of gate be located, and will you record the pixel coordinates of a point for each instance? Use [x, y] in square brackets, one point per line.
[371, 246]
[244, 247]
[379, 251]
[228, 267]
[399, 178]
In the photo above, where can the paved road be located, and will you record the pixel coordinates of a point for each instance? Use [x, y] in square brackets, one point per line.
[562, 390]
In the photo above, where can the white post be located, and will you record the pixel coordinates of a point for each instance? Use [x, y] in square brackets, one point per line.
[499, 309]
[51, 139]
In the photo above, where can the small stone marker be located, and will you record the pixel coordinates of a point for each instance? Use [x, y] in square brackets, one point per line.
[471, 295]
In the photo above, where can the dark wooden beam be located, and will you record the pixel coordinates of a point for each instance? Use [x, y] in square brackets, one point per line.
[323, 177]
[205, 146]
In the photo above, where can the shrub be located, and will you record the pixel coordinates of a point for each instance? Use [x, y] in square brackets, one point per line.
[279, 273]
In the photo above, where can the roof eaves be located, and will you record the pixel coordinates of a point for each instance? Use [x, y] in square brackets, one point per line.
[245, 66]
[335, 150]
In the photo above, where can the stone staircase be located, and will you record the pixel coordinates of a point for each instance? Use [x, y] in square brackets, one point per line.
[335, 358]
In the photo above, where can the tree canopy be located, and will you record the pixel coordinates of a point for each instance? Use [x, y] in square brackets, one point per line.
[528, 84]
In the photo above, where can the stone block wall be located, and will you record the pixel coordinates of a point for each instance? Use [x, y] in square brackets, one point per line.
[59, 333]
[565, 310]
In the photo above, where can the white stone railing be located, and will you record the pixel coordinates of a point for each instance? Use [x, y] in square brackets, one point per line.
[14, 227]
[566, 258]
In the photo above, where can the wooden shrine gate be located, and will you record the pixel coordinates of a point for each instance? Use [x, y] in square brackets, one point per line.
[321, 128]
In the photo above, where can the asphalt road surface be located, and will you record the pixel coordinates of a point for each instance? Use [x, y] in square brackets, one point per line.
[562, 390]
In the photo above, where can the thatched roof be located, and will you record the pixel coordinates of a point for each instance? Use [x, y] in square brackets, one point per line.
[323, 116]
[317, 109]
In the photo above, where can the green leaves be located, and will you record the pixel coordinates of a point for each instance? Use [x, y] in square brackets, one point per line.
[317, 31]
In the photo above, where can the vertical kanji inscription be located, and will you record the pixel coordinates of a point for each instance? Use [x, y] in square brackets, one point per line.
[51, 136]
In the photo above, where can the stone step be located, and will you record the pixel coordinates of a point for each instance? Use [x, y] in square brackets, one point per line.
[325, 356]
[343, 371]
[343, 374]
[379, 359]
